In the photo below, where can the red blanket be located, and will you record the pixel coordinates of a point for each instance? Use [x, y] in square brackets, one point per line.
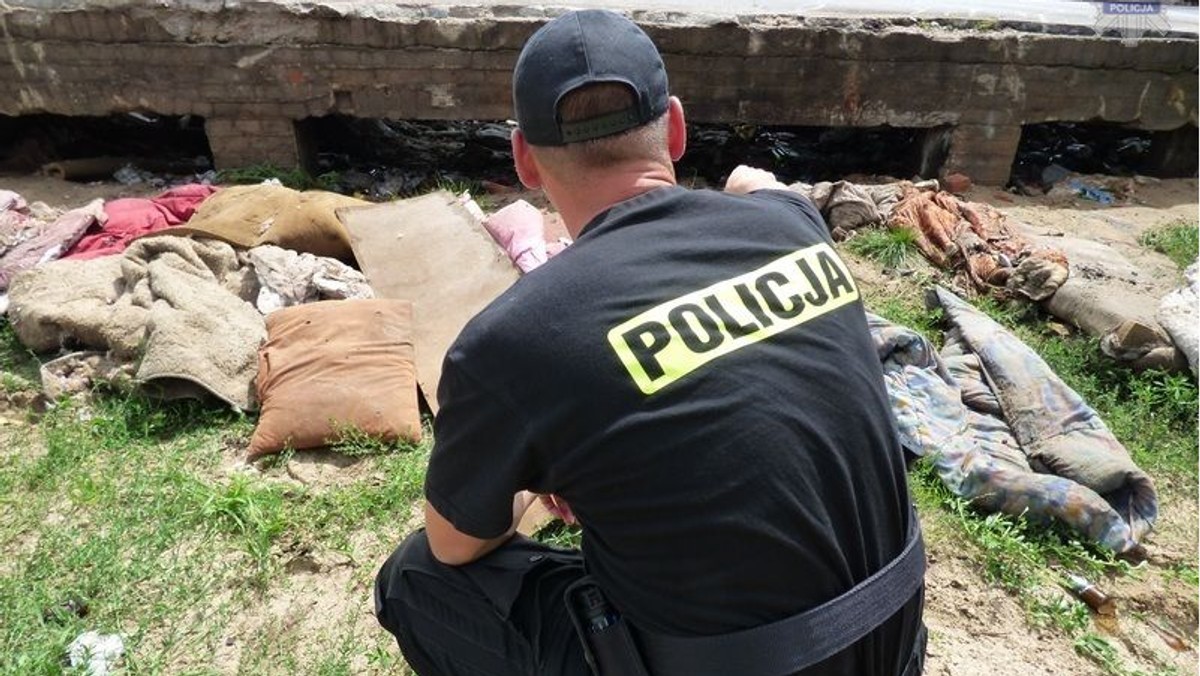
[132, 217]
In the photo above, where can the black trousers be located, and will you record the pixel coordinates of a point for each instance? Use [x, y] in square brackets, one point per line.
[503, 614]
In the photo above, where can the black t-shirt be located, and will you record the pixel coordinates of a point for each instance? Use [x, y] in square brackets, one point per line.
[696, 378]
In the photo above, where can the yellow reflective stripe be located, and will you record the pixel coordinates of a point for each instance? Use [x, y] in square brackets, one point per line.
[669, 341]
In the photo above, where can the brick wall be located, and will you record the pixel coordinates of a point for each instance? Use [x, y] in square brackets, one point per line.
[253, 69]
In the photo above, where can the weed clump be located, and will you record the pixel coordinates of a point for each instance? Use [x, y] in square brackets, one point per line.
[890, 248]
[1179, 241]
[297, 179]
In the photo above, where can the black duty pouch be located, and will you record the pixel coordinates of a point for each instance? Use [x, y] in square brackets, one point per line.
[608, 645]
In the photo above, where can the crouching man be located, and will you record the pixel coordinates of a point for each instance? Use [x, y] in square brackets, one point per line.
[695, 378]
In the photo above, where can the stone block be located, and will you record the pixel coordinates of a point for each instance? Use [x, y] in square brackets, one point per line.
[983, 152]
[346, 57]
[99, 29]
[1174, 153]
[248, 126]
[500, 61]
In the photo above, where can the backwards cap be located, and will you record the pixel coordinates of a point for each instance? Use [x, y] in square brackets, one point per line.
[581, 48]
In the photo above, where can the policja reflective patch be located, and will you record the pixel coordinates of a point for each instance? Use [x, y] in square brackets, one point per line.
[669, 341]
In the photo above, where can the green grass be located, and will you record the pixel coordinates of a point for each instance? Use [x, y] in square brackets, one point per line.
[1180, 241]
[297, 179]
[1100, 650]
[891, 248]
[558, 534]
[129, 510]
[909, 312]
[18, 366]
[1186, 573]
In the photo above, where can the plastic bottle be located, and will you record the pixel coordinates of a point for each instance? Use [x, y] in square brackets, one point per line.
[1089, 594]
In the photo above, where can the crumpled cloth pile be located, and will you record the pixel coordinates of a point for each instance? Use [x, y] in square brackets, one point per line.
[950, 233]
[288, 278]
[252, 215]
[1005, 432]
[32, 235]
[849, 206]
[183, 311]
[975, 237]
[178, 307]
[132, 217]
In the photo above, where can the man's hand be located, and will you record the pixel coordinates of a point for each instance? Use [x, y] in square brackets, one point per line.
[746, 179]
[454, 547]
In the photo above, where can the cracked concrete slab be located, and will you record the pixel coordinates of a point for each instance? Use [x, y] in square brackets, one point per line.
[252, 69]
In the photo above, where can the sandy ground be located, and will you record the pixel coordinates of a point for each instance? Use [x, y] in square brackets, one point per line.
[976, 629]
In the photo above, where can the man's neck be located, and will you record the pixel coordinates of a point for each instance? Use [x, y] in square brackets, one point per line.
[580, 202]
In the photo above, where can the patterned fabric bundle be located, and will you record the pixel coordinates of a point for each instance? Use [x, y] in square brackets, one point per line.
[1006, 433]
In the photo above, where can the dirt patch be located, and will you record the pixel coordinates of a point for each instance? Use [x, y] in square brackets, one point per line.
[320, 469]
[974, 628]
[69, 194]
[14, 427]
[305, 609]
[1151, 206]
[320, 598]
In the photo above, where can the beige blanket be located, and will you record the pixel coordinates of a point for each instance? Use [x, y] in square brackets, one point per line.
[179, 307]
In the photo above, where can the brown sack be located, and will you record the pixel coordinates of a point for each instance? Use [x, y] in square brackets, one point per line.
[252, 215]
[334, 365]
[419, 248]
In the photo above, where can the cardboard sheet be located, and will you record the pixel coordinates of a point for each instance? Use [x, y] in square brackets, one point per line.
[429, 250]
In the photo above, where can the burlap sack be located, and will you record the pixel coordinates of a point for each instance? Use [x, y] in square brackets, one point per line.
[252, 215]
[335, 365]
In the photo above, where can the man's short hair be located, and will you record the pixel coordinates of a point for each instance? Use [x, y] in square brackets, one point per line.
[644, 142]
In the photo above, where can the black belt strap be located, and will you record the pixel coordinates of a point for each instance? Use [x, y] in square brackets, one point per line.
[800, 641]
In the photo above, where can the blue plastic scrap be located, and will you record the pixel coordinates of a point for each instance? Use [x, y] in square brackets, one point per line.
[1091, 192]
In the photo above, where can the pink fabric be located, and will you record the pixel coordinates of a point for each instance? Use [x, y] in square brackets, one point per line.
[49, 243]
[133, 217]
[519, 229]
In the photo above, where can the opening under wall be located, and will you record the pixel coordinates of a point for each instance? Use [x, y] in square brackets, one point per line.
[384, 158]
[161, 143]
[1102, 148]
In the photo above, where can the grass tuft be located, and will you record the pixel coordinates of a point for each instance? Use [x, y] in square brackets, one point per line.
[19, 367]
[1180, 241]
[296, 179]
[243, 508]
[559, 534]
[354, 442]
[890, 248]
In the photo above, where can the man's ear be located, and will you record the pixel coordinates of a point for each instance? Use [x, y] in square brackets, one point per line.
[676, 129]
[527, 169]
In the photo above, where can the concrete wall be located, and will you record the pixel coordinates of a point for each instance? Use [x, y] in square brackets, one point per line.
[253, 68]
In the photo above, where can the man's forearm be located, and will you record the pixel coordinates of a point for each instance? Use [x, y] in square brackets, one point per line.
[455, 548]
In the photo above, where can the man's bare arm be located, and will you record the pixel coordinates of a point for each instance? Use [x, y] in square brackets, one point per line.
[745, 179]
[454, 547]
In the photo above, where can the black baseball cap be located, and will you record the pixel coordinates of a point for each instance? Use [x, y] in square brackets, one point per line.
[580, 48]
